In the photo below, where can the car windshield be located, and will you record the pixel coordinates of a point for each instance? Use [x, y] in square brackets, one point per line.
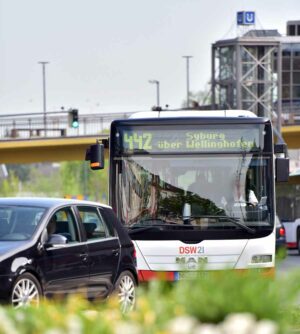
[19, 222]
[219, 191]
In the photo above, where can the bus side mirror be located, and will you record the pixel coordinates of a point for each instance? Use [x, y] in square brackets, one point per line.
[282, 167]
[95, 155]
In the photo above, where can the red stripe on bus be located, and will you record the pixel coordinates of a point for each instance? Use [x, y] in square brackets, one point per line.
[149, 275]
[292, 244]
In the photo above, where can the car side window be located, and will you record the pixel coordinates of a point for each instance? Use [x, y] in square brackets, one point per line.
[63, 223]
[94, 225]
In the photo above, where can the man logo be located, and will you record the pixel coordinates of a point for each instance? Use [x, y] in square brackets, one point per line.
[191, 264]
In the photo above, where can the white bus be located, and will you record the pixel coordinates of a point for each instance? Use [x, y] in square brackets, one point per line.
[195, 189]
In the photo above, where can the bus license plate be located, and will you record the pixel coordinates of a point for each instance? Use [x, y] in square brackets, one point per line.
[190, 275]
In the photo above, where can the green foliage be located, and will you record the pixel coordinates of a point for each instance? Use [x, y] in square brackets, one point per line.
[78, 179]
[9, 186]
[43, 181]
[209, 299]
[73, 178]
[22, 171]
[213, 296]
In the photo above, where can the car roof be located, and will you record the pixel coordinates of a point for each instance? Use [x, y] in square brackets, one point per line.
[46, 202]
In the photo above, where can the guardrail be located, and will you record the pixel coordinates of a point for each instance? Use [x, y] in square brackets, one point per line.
[57, 125]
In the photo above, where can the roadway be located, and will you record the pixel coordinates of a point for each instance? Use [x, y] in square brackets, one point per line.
[289, 264]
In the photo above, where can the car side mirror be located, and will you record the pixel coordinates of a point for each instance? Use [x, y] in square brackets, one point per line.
[56, 240]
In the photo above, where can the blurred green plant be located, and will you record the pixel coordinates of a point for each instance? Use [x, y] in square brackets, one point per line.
[162, 307]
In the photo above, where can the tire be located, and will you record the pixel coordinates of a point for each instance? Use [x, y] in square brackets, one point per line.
[125, 289]
[26, 291]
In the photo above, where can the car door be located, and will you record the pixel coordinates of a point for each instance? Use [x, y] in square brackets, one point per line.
[103, 249]
[65, 267]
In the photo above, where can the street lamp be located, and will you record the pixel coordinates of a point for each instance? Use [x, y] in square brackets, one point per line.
[156, 82]
[187, 79]
[44, 63]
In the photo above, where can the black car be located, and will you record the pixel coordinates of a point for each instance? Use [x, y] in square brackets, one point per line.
[51, 247]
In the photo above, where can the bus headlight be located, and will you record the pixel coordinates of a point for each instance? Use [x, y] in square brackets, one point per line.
[261, 258]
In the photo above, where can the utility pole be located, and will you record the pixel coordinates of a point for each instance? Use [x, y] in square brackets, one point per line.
[187, 79]
[156, 82]
[44, 63]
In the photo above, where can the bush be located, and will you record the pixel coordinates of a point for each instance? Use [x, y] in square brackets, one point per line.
[225, 300]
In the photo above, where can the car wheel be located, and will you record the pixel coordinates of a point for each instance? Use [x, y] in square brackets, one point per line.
[125, 288]
[26, 291]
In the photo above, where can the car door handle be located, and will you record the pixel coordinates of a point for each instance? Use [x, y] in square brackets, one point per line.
[84, 257]
[116, 252]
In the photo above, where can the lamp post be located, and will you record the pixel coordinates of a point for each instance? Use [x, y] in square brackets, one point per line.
[187, 79]
[44, 63]
[156, 82]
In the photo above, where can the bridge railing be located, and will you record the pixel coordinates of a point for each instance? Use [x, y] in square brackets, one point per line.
[33, 126]
[30, 127]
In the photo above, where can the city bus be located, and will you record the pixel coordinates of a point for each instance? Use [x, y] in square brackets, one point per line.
[195, 189]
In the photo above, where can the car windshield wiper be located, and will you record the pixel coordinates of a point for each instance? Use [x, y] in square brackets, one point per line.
[234, 220]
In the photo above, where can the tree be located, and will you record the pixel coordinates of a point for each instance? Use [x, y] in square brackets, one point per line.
[9, 186]
[79, 180]
[22, 171]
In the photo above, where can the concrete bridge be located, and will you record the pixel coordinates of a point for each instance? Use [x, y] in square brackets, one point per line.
[46, 149]
[24, 139]
[28, 139]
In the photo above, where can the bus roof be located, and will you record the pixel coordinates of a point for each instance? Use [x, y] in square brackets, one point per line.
[193, 113]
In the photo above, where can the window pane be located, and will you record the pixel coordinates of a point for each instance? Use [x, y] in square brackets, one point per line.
[19, 222]
[285, 92]
[296, 64]
[93, 223]
[286, 78]
[292, 30]
[296, 92]
[63, 223]
[286, 63]
[296, 78]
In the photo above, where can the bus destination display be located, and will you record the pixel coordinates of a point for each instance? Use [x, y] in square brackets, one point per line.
[189, 140]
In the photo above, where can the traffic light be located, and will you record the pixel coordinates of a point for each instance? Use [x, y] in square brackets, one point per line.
[73, 118]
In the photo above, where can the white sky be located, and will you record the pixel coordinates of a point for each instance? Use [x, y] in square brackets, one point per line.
[102, 53]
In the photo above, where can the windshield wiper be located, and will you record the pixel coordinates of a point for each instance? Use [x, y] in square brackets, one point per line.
[141, 228]
[234, 220]
[132, 230]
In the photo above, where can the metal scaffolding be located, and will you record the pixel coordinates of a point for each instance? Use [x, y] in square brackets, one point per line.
[246, 74]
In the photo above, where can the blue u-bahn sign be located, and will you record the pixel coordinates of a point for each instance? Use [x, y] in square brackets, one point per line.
[245, 18]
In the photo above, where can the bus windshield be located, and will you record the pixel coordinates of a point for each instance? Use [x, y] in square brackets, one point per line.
[206, 191]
